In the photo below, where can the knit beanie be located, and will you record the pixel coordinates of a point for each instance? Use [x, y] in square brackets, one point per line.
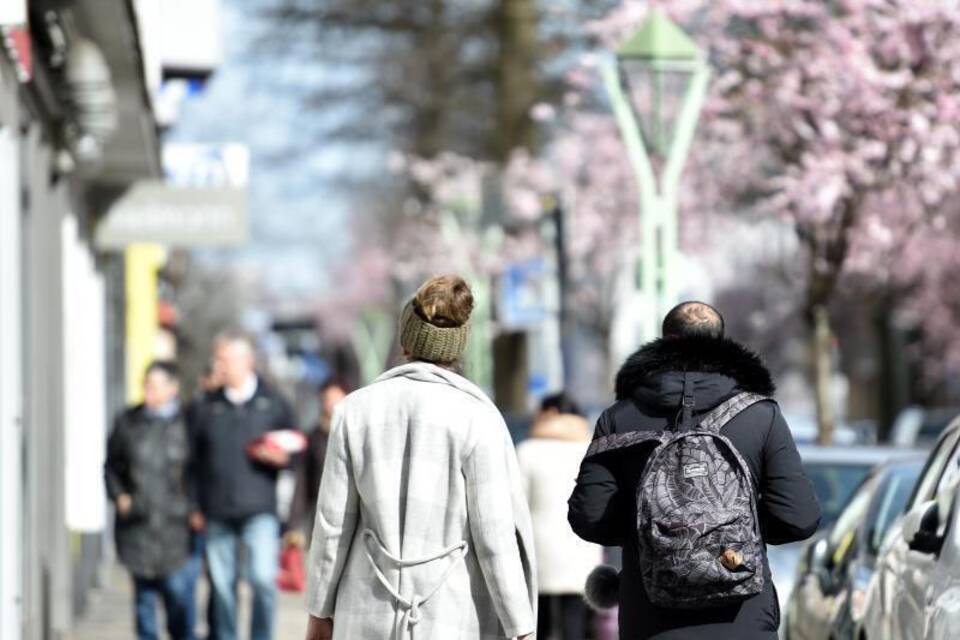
[426, 341]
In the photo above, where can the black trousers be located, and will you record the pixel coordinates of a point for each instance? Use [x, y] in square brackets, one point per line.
[563, 617]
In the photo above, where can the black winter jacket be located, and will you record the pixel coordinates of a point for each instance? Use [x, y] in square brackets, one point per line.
[603, 509]
[147, 459]
[230, 486]
[303, 506]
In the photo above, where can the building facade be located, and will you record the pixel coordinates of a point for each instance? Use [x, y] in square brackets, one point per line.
[76, 129]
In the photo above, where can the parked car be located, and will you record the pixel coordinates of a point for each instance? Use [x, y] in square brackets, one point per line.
[835, 473]
[920, 426]
[835, 568]
[915, 592]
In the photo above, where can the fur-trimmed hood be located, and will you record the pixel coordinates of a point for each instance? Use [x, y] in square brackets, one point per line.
[720, 356]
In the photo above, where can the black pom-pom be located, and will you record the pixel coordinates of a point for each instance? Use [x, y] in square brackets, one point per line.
[602, 590]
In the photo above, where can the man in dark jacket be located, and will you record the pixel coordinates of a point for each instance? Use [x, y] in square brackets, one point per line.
[649, 389]
[146, 478]
[235, 484]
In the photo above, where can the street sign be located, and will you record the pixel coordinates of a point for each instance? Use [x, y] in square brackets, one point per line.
[152, 211]
[524, 294]
[203, 201]
[191, 37]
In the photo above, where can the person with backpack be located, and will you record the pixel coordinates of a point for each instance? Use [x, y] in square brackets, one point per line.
[693, 471]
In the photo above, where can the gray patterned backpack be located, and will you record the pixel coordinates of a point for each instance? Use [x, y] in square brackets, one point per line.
[697, 522]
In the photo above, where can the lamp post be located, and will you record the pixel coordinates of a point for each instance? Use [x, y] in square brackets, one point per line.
[656, 86]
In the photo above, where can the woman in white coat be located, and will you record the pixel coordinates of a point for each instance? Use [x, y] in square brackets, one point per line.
[422, 530]
[549, 462]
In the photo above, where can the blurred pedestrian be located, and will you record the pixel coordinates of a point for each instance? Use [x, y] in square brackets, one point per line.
[756, 491]
[422, 529]
[304, 504]
[549, 460]
[236, 484]
[209, 380]
[208, 383]
[146, 478]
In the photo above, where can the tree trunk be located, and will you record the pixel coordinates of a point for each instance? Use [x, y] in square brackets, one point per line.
[822, 352]
[518, 83]
[894, 390]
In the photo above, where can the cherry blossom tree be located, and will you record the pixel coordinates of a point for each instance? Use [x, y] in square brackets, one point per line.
[840, 118]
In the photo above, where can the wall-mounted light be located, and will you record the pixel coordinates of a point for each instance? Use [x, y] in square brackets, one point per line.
[92, 99]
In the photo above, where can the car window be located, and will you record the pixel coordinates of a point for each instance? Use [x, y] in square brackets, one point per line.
[934, 422]
[853, 514]
[933, 470]
[855, 511]
[833, 483]
[892, 497]
[951, 471]
[947, 489]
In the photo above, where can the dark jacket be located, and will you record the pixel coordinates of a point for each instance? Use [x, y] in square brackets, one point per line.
[147, 459]
[602, 508]
[304, 502]
[229, 485]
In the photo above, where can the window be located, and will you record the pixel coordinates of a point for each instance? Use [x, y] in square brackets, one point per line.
[947, 490]
[934, 422]
[893, 496]
[951, 471]
[843, 532]
[931, 473]
[855, 511]
[833, 483]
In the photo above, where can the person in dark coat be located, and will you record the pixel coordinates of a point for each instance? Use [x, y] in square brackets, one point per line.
[236, 484]
[303, 506]
[603, 506]
[146, 478]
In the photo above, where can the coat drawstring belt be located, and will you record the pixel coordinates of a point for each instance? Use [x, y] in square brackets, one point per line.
[411, 606]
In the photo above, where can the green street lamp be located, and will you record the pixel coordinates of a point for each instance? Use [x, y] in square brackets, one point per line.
[656, 86]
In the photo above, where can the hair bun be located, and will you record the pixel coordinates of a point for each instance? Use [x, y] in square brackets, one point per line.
[444, 301]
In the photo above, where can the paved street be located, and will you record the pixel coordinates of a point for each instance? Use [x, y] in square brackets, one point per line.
[110, 614]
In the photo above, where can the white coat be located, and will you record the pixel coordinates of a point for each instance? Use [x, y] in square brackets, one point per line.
[549, 463]
[422, 530]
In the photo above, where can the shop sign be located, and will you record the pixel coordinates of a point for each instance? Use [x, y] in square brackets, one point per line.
[202, 202]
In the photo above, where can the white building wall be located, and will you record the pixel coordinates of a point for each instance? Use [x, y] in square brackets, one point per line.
[85, 419]
[11, 390]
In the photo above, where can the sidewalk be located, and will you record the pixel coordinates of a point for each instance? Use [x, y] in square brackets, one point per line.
[109, 615]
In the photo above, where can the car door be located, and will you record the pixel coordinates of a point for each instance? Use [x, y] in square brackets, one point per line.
[812, 609]
[942, 603]
[913, 569]
[885, 589]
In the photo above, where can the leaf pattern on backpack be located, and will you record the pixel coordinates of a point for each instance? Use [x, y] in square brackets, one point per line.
[696, 501]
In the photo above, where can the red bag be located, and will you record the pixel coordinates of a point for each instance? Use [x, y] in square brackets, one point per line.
[292, 576]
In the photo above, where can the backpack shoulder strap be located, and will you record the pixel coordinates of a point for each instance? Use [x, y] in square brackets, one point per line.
[618, 441]
[728, 410]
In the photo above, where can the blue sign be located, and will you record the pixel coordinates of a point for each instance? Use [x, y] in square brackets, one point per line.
[523, 294]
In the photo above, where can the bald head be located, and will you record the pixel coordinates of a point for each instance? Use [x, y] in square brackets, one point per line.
[693, 320]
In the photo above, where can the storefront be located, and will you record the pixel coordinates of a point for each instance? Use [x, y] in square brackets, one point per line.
[62, 161]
